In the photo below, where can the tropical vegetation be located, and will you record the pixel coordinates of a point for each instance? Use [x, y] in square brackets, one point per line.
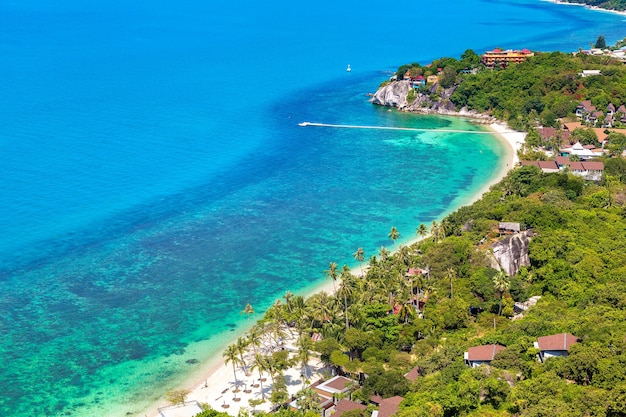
[386, 322]
[422, 306]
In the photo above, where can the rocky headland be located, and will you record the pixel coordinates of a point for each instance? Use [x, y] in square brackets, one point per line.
[432, 99]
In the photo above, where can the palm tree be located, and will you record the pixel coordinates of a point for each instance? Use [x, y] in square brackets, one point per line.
[359, 255]
[305, 344]
[308, 401]
[394, 234]
[451, 274]
[298, 314]
[254, 338]
[407, 311]
[248, 310]
[422, 230]
[501, 283]
[383, 253]
[345, 288]
[271, 367]
[259, 364]
[320, 307]
[288, 297]
[275, 316]
[232, 355]
[443, 229]
[438, 230]
[403, 255]
[331, 273]
[241, 345]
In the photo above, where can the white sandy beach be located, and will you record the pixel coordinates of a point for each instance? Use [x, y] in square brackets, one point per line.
[218, 387]
[223, 393]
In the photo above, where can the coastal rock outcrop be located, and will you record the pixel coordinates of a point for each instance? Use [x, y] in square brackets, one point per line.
[392, 94]
[511, 253]
[433, 100]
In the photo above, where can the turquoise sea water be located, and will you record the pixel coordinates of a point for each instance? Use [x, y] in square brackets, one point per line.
[155, 180]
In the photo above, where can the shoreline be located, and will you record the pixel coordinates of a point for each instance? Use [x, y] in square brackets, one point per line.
[217, 376]
[586, 6]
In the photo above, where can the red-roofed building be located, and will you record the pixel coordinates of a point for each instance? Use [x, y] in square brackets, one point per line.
[328, 393]
[610, 109]
[545, 166]
[589, 170]
[555, 345]
[592, 166]
[533, 163]
[481, 355]
[389, 406]
[344, 406]
[585, 108]
[326, 403]
[418, 81]
[546, 133]
[335, 385]
[561, 161]
[576, 167]
[548, 166]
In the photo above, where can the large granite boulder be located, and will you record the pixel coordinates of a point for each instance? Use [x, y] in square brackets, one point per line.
[392, 94]
[511, 253]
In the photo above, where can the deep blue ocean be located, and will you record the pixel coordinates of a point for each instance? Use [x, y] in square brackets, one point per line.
[154, 178]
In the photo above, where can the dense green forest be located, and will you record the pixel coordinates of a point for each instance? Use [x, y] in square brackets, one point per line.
[577, 265]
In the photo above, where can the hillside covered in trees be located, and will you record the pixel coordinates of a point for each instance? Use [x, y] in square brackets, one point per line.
[539, 91]
[387, 322]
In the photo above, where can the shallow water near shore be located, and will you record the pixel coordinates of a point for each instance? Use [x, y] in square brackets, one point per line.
[155, 178]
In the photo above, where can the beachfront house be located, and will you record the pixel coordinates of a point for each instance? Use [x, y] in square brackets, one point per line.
[589, 170]
[544, 166]
[325, 403]
[481, 355]
[330, 391]
[581, 151]
[554, 345]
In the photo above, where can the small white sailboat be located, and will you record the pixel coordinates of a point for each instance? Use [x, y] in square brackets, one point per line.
[348, 69]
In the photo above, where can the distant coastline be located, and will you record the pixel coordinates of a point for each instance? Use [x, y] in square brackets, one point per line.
[587, 6]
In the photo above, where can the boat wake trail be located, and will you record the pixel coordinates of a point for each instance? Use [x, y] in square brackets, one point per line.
[475, 132]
